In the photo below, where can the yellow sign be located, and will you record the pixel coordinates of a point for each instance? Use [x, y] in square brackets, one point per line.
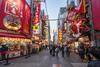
[60, 36]
[36, 27]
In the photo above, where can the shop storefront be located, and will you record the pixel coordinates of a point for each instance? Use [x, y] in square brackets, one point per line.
[16, 46]
[78, 24]
[15, 26]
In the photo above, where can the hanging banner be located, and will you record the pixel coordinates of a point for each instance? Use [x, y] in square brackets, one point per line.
[96, 13]
[82, 7]
[12, 15]
[36, 20]
[26, 23]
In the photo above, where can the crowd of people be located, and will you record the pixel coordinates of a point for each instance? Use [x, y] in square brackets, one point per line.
[85, 52]
[55, 49]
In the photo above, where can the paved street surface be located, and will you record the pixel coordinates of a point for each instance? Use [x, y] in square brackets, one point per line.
[43, 59]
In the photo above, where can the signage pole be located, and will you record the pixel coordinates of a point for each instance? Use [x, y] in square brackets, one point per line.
[92, 24]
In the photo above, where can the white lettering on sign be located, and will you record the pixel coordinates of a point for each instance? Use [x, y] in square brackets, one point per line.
[11, 7]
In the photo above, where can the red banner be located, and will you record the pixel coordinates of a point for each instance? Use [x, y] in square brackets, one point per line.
[26, 24]
[12, 15]
[36, 21]
[37, 15]
[96, 13]
[82, 7]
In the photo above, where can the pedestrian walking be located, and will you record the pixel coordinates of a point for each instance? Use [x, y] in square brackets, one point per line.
[4, 50]
[4, 54]
[68, 50]
[87, 52]
[62, 50]
[28, 51]
[57, 50]
[50, 48]
[81, 50]
[53, 50]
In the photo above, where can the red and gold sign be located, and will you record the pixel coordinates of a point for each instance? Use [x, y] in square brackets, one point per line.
[36, 20]
[12, 22]
[60, 36]
[12, 14]
[26, 24]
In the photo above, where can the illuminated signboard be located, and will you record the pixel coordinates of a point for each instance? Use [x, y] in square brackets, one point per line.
[36, 21]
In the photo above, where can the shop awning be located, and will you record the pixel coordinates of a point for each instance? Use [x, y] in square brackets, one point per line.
[12, 35]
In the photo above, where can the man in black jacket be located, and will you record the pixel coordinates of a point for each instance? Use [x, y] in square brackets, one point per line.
[81, 50]
[95, 51]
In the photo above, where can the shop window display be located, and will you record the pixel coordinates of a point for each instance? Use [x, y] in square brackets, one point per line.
[17, 47]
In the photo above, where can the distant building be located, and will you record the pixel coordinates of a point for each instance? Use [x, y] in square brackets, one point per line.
[61, 19]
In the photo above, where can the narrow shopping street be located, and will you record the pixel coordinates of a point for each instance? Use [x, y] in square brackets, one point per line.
[49, 33]
[44, 59]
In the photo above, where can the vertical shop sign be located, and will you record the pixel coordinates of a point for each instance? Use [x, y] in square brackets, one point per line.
[36, 22]
[82, 6]
[26, 24]
[96, 13]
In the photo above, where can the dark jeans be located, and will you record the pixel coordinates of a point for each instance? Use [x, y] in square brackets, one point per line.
[50, 52]
[62, 53]
[57, 53]
[88, 56]
[68, 53]
[81, 54]
[28, 54]
[3, 56]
